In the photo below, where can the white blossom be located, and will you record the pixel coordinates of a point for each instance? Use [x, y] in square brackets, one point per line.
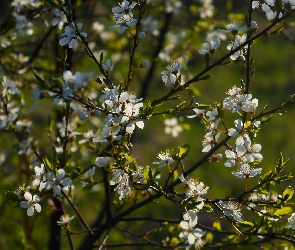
[245, 171]
[172, 127]
[31, 203]
[166, 159]
[231, 209]
[64, 219]
[291, 222]
[210, 47]
[233, 28]
[70, 35]
[57, 181]
[169, 76]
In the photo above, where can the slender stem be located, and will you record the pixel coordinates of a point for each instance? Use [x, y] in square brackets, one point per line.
[135, 45]
[77, 212]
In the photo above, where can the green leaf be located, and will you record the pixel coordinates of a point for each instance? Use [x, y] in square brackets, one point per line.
[288, 193]
[250, 32]
[246, 224]
[175, 175]
[205, 77]
[217, 226]
[195, 91]
[90, 185]
[252, 72]
[281, 164]
[108, 83]
[246, 19]
[203, 106]
[175, 97]
[52, 3]
[276, 31]
[207, 208]
[12, 196]
[283, 211]
[220, 111]
[181, 105]
[262, 191]
[183, 151]
[147, 110]
[48, 165]
[41, 82]
[191, 102]
[265, 120]
[267, 176]
[227, 62]
[278, 6]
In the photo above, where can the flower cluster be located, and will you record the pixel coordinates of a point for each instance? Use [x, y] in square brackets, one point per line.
[267, 6]
[170, 76]
[236, 100]
[194, 191]
[192, 234]
[211, 119]
[231, 209]
[72, 33]
[123, 16]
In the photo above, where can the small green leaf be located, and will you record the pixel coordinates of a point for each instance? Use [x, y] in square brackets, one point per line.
[203, 106]
[89, 186]
[250, 32]
[181, 105]
[207, 208]
[40, 80]
[205, 77]
[267, 176]
[276, 31]
[183, 151]
[252, 72]
[175, 97]
[281, 164]
[12, 196]
[52, 3]
[278, 6]
[283, 211]
[246, 224]
[217, 226]
[195, 91]
[108, 83]
[265, 120]
[191, 102]
[288, 193]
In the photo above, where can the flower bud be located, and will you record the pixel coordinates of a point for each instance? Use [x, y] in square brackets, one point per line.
[97, 112]
[141, 35]
[98, 80]
[82, 116]
[144, 64]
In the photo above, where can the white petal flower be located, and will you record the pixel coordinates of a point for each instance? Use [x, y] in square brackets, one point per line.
[231, 209]
[210, 47]
[233, 28]
[64, 219]
[246, 171]
[165, 158]
[31, 203]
